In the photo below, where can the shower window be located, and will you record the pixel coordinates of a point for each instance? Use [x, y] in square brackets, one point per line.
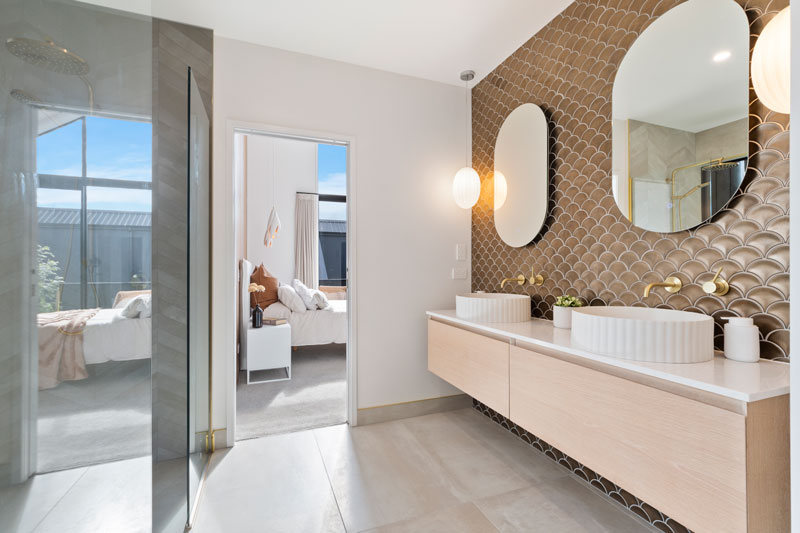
[94, 204]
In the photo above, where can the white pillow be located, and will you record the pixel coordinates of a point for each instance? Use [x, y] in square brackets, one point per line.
[289, 297]
[305, 293]
[137, 307]
[320, 299]
[147, 312]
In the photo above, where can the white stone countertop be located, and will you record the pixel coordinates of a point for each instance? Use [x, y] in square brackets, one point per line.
[748, 382]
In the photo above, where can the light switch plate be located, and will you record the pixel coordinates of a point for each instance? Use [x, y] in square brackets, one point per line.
[460, 273]
[461, 252]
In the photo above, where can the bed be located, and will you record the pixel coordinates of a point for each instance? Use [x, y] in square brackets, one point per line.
[70, 340]
[111, 337]
[323, 326]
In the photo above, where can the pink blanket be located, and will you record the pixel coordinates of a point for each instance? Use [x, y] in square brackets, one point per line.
[61, 346]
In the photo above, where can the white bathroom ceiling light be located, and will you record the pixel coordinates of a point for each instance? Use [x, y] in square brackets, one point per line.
[467, 183]
[722, 55]
[770, 68]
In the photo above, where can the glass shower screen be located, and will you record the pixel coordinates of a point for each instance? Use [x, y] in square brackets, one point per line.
[198, 260]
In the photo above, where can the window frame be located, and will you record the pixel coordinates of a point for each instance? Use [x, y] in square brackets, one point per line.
[334, 198]
[82, 183]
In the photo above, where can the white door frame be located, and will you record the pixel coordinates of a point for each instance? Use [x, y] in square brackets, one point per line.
[232, 128]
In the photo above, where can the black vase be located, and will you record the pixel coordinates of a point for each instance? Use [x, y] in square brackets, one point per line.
[258, 317]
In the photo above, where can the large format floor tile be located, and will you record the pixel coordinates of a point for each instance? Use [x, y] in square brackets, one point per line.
[275, 484]
[464, 518]
[455, 471]
[380, 474]
[111, 498]
[23, 506]
[565, 505]
[480, 456]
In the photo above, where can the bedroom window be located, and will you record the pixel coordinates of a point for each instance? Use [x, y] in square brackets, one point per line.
[94, 209]
[332, 187]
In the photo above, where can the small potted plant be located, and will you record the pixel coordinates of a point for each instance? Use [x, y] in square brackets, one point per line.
[562, 311]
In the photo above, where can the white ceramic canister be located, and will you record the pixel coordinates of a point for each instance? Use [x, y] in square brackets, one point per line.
[562, 317]
[741, 339]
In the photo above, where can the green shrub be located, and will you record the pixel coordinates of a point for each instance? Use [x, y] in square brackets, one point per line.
[568, 301]
[49, 280]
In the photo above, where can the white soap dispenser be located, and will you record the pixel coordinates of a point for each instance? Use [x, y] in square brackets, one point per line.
[741, 339]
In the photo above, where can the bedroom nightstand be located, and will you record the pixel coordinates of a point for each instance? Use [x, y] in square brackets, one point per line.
[269, 347]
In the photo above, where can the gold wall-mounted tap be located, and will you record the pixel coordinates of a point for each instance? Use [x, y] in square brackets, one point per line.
[536, 279]
[717, 286]
[519, 279]
[671, 284]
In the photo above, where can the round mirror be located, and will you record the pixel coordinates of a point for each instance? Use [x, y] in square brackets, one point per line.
[520, 176]
[680, 116]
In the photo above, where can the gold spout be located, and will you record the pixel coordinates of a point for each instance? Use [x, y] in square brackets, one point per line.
[671, 284]
[519, 279]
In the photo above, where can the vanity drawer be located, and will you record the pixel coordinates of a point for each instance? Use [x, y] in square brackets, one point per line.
[684, 457]
[471, 362]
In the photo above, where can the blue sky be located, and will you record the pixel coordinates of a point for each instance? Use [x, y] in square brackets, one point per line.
[120, 149]
[332, 179]
[116, 149]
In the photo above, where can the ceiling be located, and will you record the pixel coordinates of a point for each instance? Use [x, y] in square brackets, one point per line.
[429, 39]
[669, 76]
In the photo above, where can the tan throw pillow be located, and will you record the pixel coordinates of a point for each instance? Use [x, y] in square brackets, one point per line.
[123, 297]
[268, 297]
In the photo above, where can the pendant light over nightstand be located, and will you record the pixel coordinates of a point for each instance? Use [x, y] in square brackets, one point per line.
[467, 183]
[274, 221]
[273, 227]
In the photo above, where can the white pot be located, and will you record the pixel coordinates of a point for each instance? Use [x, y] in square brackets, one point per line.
[562, 317]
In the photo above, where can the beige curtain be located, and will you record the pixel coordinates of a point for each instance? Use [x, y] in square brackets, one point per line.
[306, 247]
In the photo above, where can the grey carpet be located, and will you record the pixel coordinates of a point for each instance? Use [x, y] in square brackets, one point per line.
[316, 396]
[105, 417]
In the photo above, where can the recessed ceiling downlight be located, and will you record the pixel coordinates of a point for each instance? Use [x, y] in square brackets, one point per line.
[722, 55]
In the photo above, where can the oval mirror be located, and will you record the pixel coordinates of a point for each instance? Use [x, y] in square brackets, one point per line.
[680, 116]
[520, 176]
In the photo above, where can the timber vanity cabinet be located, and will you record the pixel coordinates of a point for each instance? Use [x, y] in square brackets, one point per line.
[707, 444]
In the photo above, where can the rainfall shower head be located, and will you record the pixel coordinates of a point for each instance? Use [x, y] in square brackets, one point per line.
[25, 97]
[720, 166]
[48, 55]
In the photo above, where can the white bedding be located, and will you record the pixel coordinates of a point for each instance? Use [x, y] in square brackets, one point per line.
[323, 326]
[111, 337]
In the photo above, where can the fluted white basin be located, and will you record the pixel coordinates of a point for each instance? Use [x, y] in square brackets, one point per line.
[644, 334]
[493, 307]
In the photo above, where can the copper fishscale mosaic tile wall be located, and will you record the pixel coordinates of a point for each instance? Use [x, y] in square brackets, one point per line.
[587, 248]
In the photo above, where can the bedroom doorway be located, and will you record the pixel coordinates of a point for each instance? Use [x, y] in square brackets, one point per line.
[292, 235]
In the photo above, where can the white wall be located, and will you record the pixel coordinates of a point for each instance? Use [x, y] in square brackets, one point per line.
[295, 165]
[408, 141]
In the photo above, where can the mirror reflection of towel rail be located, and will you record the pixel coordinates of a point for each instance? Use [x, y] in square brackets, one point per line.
[682, 197]
[719, 161]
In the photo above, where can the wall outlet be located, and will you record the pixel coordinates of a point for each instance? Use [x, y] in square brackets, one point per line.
[460, 273]
[461, 252]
